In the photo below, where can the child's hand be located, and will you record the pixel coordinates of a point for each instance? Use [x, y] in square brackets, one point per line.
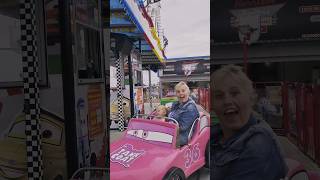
[168, 106]
[168, 109]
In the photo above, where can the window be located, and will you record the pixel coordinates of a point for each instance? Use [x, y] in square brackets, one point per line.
[88, 54]
[10, 45]
[87, 11]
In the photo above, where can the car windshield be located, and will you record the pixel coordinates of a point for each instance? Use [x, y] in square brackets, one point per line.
[151, 135]
[155, 132]
[51, 132]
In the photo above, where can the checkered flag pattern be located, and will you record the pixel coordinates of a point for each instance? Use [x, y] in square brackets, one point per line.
[31, 90]
[119, 75]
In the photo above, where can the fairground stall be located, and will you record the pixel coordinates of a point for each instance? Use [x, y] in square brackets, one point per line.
[136, 40]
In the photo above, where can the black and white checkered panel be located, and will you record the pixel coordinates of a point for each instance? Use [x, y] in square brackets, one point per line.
[120, 79]
[31, 90]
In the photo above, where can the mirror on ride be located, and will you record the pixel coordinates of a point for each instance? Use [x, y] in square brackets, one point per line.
[300, 176]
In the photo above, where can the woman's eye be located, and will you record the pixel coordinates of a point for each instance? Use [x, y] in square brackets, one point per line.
[235, 93]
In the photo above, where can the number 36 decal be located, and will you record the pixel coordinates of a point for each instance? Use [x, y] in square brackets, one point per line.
[191, 155]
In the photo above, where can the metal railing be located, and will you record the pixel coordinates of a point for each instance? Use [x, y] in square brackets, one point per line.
[91, 173]
[150, 117]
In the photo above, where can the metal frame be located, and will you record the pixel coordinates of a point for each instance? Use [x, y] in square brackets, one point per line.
[102, 69]
[73, 177]
[192, 129]
[266, 41]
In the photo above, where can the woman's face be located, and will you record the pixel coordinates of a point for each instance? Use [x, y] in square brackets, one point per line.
[231, 103]
[182, 94]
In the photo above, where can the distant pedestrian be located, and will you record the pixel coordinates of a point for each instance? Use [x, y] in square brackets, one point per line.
[265, 108]
[194, 95]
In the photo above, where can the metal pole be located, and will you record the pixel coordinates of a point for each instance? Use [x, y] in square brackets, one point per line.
[131, 85]
[160, 86]
[68, 86]
[28, 20]
[119, 63]
[245, 52]
[245, 57]
[150, 97]
[106, 58]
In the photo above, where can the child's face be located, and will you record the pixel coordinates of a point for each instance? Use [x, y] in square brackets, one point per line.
[161, 112]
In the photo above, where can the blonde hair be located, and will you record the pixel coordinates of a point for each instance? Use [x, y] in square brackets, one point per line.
[162, 107]
[182, 84]
[237, 74]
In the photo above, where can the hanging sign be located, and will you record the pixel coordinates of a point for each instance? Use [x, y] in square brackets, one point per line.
[138, 14]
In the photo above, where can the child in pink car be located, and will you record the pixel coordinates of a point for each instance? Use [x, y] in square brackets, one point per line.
[161, 113]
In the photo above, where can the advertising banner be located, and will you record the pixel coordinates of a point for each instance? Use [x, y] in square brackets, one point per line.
[143, 21]
[271, 20]
[139, 108]
[195, 67]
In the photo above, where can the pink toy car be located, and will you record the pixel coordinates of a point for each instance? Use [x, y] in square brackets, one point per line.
[149, 150]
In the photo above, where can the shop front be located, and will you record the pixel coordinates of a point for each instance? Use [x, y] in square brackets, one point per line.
[133, 34]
